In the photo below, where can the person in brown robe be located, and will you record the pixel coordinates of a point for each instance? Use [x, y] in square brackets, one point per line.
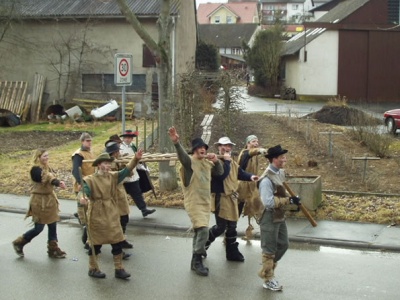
[101, 196]
[43, 205]
[195, 175]
[249, 201]
[112, 148]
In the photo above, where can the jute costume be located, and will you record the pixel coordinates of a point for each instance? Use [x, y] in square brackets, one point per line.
[44, 210]
[195, 176]
[104, 215]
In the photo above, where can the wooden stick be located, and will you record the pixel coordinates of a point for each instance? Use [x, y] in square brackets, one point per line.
[302, 208]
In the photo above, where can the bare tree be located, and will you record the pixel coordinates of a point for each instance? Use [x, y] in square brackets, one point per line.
[161, 51]
[7, 14]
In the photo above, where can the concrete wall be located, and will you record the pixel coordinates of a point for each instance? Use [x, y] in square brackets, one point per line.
[319, 74]
[37, 47]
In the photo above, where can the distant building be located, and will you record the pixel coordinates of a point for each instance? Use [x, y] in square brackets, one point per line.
[228, 38]
[352, 50]
[228, 13]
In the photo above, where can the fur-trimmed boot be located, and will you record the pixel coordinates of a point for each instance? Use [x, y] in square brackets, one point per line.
[94, 270]
[232, 251]
[54, 251]
[19, 244]
[119, 269]
[197, 265]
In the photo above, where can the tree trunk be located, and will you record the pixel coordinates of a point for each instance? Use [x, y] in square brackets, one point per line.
[162, 52]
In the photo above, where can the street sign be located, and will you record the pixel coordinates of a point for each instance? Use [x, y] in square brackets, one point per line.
[122, 69]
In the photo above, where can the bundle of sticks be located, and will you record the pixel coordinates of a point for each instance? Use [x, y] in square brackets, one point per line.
[148, 157]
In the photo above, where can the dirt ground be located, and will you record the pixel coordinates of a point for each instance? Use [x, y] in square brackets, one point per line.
[13, 142]
[303, 160]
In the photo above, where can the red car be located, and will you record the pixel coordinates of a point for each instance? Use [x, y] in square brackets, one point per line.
[392, 120]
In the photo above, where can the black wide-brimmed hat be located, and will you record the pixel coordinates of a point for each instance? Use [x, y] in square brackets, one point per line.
[197, 143]
[102, 157]
[275, 151]
[112, 147]
[113, 138]
[129, 133]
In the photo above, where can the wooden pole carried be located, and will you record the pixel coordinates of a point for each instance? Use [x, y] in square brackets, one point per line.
[302, 208]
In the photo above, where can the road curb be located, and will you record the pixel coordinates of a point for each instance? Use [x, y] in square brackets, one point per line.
[186, 229]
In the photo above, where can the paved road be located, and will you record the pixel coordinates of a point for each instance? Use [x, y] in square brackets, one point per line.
[160, 268]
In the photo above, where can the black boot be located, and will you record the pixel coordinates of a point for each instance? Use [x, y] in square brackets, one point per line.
[197, 265]
[126, 245]
[84, 235]
[146, 212]
[211, 238]
[125, 256]
[232, 251]
[121, 274]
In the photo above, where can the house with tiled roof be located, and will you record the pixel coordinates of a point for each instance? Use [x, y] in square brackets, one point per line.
[229, 38]
[73, 44]
[228, 13]
[352, 50]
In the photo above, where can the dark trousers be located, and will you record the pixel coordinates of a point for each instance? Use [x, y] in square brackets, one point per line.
[38, 228]
[115, 249]
[222, 225]
[133, 190]
[124, 221]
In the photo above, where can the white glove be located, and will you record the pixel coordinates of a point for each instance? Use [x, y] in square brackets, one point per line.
[142, 167]
[263, 151]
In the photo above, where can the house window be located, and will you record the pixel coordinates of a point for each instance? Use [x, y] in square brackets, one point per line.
[104, 83]
[229, 19]
[295, 6]
[147, 58]
[394, 11]
[217, 19]
[236, 51]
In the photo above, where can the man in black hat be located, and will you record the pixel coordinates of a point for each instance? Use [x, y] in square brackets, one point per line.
[131, 184]
[195, 175]
[273, 229]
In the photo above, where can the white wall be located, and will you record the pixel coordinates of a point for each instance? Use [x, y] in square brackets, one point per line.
[319, 74]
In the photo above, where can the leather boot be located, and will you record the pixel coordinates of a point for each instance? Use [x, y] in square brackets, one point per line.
[232, 251]
[211, 238]
[119, 269]
[146, 212]
[126, 245]
[125, 256]
[94, 270]
[197, 265]
[54, 251]
[84, 235]
[19, 244]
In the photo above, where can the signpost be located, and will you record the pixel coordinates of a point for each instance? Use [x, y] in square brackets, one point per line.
[123, 77]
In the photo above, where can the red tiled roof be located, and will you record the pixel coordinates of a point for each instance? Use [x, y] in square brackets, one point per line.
[245, 10]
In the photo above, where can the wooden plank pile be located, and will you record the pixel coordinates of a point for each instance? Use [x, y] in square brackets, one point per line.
[13, 96]
[36, 99]
[89, 104]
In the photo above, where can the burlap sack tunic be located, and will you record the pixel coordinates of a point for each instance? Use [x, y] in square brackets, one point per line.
[122, 203]
[103, 212]
[228, 209]
[196, 195]
[87, 168]
[44, 205]
[248, 191]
